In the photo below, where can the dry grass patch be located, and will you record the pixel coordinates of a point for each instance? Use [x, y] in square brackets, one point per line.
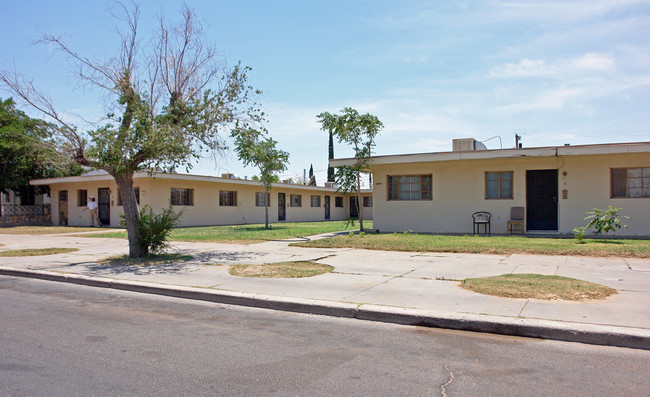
[37, 251]
[291, 269]
[152, 259]
[47, 229]
[538, 286]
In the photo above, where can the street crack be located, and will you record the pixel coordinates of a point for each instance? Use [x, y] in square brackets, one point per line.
[443, 388]
[323, 257]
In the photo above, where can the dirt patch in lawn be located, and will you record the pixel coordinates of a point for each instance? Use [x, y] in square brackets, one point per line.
[36, 252]
[292, 269]
[538, 286]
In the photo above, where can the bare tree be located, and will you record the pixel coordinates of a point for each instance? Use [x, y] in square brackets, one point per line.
[168, 103]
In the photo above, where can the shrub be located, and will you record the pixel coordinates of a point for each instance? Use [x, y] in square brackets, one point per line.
[579, 234]
[605, 220]
[349, 222]
[154, 229]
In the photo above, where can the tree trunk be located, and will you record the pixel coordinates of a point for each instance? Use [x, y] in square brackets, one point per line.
[330, 156]
[266, 205]
[131, 214]
[359, 201]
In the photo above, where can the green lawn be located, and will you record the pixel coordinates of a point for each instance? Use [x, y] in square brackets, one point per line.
[489, 245]
[247, 234]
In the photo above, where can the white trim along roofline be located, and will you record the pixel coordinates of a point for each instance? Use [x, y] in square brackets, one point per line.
[185, 177]
[551, 151]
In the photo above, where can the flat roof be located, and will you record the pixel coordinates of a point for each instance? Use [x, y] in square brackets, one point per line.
[105, 176]
[550, 151]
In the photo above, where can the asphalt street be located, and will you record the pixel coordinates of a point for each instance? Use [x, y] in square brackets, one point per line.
[399, 287]
[62, 339]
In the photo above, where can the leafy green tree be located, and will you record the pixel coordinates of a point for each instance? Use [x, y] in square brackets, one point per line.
[274, 179]
[604, 221]
[358, 131]
[171, 101]
[28, 150]
[261, 152]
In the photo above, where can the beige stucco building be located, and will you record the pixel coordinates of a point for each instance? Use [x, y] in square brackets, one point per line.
[439, 192]
[206, 200]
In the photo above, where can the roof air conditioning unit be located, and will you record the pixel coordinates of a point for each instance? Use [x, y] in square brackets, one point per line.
[467, 145]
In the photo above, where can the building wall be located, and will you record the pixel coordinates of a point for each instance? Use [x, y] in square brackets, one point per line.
[77, 213]
[458, 190]
[13, 213]
[205, 210]
[366, 212]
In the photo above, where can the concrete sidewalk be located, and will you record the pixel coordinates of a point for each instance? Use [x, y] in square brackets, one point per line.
[401, 287]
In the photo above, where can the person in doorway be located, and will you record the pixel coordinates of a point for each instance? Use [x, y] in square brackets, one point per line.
[92, 207]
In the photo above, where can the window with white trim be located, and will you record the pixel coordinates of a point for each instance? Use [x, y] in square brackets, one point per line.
[409, 187]
[227, 198]
[498, 185]
[630, 182]
[295, 200]
[182, 196]
[262, 199]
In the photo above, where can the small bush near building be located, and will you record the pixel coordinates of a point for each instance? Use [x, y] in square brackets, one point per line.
[579, 234]
[604, 221]
[154, 229]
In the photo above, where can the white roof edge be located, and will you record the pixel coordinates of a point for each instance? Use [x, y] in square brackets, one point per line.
[187, 177]
[578, 150]
[67, 179]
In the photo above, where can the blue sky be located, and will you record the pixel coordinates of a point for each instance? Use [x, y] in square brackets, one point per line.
[555, 72]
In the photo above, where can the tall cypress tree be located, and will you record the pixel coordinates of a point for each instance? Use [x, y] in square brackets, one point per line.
[330, 170]
[312, 178]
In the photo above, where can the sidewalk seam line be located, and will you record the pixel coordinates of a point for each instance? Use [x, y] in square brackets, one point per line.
[522, 308]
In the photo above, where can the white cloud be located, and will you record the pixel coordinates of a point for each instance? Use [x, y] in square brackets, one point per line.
[416, 59]
[553, 99]
[593, 61]
[539, 68]
[524, 68]
[564, 11]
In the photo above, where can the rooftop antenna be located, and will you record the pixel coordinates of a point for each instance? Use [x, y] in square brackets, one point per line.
[517, 143]
[496, 136]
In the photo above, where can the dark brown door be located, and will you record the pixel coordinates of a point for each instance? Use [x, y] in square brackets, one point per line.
[327, 207]
[541, 200]
[354, 207]
[63, 208]
[282, 208]
[104, 205]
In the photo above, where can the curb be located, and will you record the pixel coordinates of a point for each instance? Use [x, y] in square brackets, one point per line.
[545, 329]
